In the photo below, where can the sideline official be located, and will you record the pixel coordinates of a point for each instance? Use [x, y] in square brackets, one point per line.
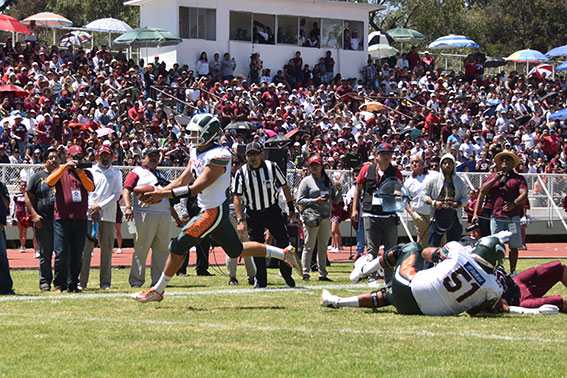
[256, 187]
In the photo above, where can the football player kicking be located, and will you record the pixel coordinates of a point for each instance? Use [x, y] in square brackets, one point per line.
[210, 164]
[461, 281]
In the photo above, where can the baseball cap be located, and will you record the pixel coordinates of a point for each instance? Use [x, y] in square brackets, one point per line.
[385, 147]
[75, 150]
[254, 146]
[315, 159]
[104, 148]
[150, 150]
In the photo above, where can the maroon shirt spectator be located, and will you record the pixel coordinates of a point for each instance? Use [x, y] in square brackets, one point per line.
[508, 192]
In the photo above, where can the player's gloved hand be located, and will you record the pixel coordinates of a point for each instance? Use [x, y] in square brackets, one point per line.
[548, 309]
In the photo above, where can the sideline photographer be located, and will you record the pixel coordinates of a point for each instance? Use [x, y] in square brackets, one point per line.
[72, 184]
[509, 191]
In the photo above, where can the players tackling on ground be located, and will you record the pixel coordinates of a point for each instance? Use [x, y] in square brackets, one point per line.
[210, 164]
[461, 281]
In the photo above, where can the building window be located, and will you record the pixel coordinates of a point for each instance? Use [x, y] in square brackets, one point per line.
[309, 32]
[198, 23]
[241, 26]
[263, 28]
[353, 35]
[332, 33]
[288, 29]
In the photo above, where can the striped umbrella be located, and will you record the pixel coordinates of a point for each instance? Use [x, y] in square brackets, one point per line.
[48, 19]
[540, 70]
[75, 38]
[527, 56]
[452, 41]
[381, 51]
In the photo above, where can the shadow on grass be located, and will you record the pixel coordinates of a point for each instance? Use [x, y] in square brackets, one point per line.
[259, 308]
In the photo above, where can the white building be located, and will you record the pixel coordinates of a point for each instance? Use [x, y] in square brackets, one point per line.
[273, 28]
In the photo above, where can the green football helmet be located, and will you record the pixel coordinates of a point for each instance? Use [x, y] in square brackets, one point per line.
[203, 129]
[490, 253]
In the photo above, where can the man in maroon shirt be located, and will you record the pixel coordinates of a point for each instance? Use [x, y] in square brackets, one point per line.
[72, 185]
[509, 191]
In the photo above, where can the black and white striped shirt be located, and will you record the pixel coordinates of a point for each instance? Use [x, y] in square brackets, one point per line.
[258, 187]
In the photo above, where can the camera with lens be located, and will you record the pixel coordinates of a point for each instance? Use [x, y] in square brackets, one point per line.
[81, 162]
[504, 178]
[473, 226]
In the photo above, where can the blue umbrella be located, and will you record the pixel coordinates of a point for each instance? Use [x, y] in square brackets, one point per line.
[467, 166]
[562, 66]
[558, 51]
[560, 115]
[452, 41]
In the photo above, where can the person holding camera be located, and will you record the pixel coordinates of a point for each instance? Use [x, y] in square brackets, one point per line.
[445, 193]
[380, 227]
[313, 195]
[72, 185]
[509, 191]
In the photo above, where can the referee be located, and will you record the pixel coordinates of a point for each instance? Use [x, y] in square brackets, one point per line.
[255, 187]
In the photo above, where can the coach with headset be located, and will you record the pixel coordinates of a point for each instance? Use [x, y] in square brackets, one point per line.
[256, 186]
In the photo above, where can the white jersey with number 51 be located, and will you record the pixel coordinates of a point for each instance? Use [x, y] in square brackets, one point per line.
[455, 285]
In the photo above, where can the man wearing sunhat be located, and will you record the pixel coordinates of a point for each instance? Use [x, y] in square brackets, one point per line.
[509, 191]
[380, 227]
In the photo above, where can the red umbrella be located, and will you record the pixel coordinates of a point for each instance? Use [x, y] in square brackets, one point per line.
[540, 70]
[14, 90]
[10, 24]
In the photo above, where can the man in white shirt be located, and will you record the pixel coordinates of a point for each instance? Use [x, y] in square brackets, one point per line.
[418, 210]
[102, 215]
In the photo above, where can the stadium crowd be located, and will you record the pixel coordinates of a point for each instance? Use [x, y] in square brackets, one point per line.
[400, 108]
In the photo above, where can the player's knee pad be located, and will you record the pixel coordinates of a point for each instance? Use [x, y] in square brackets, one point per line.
[377, 301]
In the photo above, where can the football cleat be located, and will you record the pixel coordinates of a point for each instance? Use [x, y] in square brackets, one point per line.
[150, 295]
[292, 260]
[329, 300]
[358, 272]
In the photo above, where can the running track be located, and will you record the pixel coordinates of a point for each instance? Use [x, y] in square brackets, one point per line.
[26, 261]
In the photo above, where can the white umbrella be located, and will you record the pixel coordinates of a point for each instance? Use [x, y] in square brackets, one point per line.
[109, 25]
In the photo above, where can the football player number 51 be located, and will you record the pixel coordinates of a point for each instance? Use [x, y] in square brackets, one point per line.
[453, 282]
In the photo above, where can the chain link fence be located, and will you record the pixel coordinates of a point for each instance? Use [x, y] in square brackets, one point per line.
[544, 189]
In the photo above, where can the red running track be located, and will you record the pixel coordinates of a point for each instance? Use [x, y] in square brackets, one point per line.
[26, 261]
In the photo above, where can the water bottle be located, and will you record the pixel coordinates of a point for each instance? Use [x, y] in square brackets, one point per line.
[94, 229]
[132, 227]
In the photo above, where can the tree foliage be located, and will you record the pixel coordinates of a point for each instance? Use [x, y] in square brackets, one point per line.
[500, 27]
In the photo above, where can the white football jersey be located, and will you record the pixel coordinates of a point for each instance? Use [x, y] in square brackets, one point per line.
[455, 285]
[215, 194]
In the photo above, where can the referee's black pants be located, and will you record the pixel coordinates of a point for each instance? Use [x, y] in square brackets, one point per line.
[272, 220]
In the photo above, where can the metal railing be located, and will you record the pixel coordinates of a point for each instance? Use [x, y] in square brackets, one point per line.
[545, 191]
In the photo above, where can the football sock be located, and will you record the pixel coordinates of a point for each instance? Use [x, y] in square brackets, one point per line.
[162, 283]
[275, 252]
[348, 302]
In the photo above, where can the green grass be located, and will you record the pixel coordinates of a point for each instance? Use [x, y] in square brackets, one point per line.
[247, 333]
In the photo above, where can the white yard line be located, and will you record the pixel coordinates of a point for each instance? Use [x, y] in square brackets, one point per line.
[269, 328]
[47, 297]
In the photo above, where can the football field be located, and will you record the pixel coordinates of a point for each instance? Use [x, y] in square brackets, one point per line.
[205, 328]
